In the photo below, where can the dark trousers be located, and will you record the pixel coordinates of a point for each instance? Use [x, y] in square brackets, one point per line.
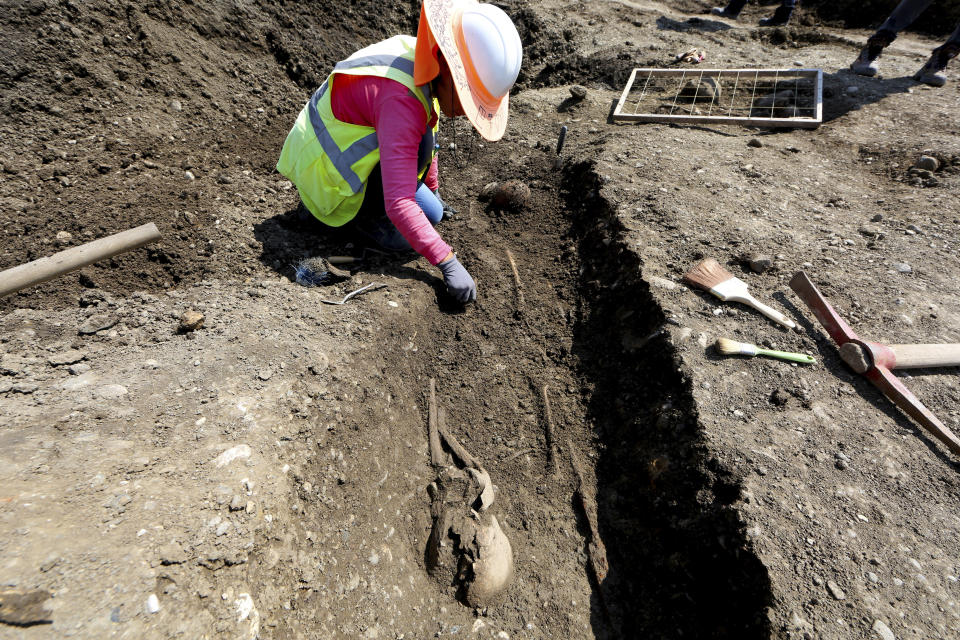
[901, 18]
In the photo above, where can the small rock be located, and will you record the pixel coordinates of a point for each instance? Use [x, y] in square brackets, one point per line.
[66, 357]
[872, 577]
[190, 321]
[853, 90]
[265, 374]
[877, 217]
[239, 452]
[96, 322]
[153, 603]
[189, 175]
[172, 553]
[176, 105]
[78, 369]
[754, 142]
[902, 267]
[882, 630]
[760, 263]
[928, 163]
[110, 391]
[24, 387]
[64, 237]
[237, 503]
[870, 231]
[223, 528]
[835, 590]
[578, 92]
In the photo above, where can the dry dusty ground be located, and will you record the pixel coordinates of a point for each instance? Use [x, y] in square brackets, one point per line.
[265, 475]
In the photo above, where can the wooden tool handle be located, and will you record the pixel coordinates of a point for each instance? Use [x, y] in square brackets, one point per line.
[913, 356]
[44, 269]
[770, 312]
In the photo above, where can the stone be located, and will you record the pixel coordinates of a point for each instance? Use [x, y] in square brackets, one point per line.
[97, 322]
[78, 369]
[853, 90]
[172, 553]
[760, 263]
[835, 590]
[578, 92]
[882, 630]
[239, 452]
[153, 603]
[24, 387]
[870, 231]
[64, 237]
[66, 357]
[902, 267]
[754, 142]
[190, 321]
[111, 391]
[928, 163]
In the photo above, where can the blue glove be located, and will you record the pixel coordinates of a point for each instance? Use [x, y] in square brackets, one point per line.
[459, 283]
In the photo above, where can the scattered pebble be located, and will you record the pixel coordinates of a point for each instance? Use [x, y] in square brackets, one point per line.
[835, 590]
[761, 263]
[928, 163]
[153, 603]
[902, 267]
[754, 142]
[64, 237]
[882, 630]
[66, 357]
[265, 374]
[578, 92]
[97, 322]
[190, 321]
[239, 452]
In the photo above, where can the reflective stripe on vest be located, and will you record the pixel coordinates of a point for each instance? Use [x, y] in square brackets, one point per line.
[342, 160]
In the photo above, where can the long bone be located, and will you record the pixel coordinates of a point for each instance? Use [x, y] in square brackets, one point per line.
[875, 360]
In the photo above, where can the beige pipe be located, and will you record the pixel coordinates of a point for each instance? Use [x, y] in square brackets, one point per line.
[31, 273]
[908, 356]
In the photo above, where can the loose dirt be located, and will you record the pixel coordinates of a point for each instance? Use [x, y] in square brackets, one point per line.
[265, 475]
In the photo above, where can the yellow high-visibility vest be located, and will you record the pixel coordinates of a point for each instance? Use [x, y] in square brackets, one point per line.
[330, 161]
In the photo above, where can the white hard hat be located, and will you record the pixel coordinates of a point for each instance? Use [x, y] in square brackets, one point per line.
[483, 51]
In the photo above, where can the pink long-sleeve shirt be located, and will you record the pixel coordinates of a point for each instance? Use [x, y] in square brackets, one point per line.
[398, 117]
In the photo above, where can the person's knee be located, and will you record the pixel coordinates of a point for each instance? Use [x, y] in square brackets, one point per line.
[430, 204]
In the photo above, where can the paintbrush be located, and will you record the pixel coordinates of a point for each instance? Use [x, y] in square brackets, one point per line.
[733, 348]
[709, 275]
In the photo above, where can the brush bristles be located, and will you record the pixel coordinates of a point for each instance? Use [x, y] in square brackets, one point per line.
[729, 347]
[707, 274]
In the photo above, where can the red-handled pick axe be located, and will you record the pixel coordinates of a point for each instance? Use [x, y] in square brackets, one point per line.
[875, 360]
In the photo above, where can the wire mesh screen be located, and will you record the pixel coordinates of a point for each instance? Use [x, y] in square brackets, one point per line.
[758, 97]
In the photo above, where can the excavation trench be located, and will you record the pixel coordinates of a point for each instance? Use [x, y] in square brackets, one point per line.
[578, 324]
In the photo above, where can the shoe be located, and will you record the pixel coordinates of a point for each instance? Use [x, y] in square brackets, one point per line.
[780, 18]
[864, 65]
[929, 74]
[723, 13]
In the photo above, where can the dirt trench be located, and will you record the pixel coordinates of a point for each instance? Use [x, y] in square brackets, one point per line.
[578, 320]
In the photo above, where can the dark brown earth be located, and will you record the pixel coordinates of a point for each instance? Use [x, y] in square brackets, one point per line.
[265, 475]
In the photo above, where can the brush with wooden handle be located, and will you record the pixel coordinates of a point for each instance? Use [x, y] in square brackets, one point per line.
[709, 275]
[730, 347]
